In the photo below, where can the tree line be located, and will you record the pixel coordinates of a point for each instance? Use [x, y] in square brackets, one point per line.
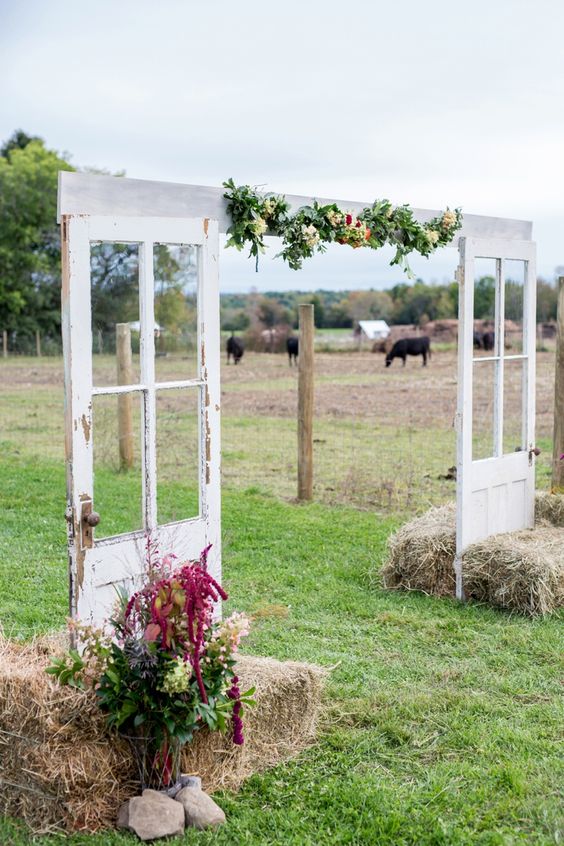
[415, 303]
[30, 274]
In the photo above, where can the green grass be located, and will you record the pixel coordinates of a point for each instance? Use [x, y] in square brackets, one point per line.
[441, 721]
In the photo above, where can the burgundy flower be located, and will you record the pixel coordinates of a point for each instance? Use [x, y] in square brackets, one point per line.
[191, 586]
[235, 693]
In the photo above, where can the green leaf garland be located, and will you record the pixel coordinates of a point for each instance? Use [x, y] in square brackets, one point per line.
[311, 228]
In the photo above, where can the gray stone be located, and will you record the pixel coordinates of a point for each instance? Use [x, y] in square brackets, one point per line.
[191, 781]
[200, 809]
[184, 781]
[123, 815]
[154, 815]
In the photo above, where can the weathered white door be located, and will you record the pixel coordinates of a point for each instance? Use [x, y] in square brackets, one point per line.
[98, 566]
[496, 391]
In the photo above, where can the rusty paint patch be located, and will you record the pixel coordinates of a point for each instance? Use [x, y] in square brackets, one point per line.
[206, 224]
[203, 356]
[80, 556]
[207, 396]
[86, 426]
[216, 407]
[208, 450]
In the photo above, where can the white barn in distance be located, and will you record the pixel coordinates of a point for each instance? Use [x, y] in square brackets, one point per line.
[374, 330]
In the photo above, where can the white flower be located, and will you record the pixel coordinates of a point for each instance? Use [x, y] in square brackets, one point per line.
[335, 218]
[269, 206]
[311, 235]
[449, 218]
[390, 212]
[432, 236]
[177, 679]
[259, 226]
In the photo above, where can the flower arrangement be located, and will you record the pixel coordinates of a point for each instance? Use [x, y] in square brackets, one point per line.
[162, 668]
[311, 228]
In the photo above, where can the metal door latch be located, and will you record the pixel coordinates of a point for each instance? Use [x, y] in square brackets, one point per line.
[534, 451]
[88, 520]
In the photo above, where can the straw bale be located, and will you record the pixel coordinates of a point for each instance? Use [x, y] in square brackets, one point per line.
[421, 554]
[549, 508]
[520, 571]
[62, 771]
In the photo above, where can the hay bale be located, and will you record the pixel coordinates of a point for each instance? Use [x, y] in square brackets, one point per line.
[279, 727]
[549, 508]
[520, 571]
[421, 554]
[62, 771]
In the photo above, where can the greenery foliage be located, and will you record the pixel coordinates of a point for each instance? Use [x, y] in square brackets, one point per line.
[29, 236]
[311, 228]
[161, 668]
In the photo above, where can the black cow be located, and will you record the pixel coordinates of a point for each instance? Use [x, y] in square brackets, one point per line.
[235, 348]
[478, 341]
[292, 345]
[410, 346]
[488, 340]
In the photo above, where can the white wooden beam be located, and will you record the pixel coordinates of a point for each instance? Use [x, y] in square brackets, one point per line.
[84, 193]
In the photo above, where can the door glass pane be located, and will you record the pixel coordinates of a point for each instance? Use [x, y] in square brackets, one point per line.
[175, 269]
[178, 456]
[483, 410]
[116, 433]
[513, 406]
[514, 272]
[485, 270]
[114, 276]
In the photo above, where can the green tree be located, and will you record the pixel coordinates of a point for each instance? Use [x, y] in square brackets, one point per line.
[318, 309]
[17, 141]
[484, 298]
[269, 312]
[368, 305]
[547, 299]
[29, 236]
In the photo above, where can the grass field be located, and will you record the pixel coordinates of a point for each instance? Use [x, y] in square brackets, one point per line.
[383, 438]
[441, 722]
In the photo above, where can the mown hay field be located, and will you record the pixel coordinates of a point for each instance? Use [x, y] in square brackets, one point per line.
[383, 438]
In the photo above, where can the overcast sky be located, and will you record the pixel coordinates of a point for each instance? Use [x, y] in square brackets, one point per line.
[429, 103]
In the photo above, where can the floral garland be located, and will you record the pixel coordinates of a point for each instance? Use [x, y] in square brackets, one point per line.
[311, 228]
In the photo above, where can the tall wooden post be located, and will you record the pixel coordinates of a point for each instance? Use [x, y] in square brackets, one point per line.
[38, 343]
[558, 448]
[5, 343]
[305, 403]
[125, 412]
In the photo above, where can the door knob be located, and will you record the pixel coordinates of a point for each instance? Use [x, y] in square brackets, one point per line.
[92, 519]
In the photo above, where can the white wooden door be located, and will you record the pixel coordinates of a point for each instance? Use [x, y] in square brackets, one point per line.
[496, 392]
[98, 566]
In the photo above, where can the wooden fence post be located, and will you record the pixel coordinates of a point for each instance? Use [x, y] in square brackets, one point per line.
[305, 403]
[124, 377]
[5, 343]
[38, 343]
[558, 441]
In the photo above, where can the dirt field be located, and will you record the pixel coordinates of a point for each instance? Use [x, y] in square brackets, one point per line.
[384, 438]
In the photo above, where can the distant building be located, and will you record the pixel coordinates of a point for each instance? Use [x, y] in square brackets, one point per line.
[135, 326]
[374, 330]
